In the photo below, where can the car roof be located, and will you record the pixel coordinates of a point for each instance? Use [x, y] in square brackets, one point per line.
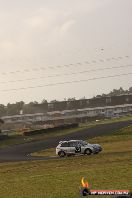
[75, 140]
[70, 141]
[60, 142]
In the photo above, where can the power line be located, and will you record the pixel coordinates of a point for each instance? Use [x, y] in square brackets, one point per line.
[68, 82]
[62, 66]
[67, 74]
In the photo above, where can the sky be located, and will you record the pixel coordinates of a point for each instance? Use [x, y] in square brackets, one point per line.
[57, 49]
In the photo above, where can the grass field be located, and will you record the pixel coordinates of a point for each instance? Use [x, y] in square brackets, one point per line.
[60, 178]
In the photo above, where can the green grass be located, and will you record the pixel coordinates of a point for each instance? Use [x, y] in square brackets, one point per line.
[109, 120]
[60, 178]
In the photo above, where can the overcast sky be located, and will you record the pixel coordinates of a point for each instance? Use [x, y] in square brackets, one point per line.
[63, 38]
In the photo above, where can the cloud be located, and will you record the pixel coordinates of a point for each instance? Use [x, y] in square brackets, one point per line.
[65, 28]
[36, 21]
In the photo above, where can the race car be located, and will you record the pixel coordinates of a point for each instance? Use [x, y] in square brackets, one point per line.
[73, 147]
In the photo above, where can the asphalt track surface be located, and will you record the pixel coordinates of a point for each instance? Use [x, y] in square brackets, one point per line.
[22, 152]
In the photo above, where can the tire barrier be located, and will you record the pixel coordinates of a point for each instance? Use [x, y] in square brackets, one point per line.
[60, 127]
[3, 137]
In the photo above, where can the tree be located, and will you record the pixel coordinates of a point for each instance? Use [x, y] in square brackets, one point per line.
[33, 103]
[2, 110]
[44, 101]
[53, 101]
[83, 98]
[71, 99]
[13, 109]
[116, 92]
[19, 106]
[130, 90]
[1, 122]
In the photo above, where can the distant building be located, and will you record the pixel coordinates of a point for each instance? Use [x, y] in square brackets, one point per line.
[77, 110]
[84, 103]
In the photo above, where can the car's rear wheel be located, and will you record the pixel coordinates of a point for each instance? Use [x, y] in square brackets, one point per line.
[87, 152]
[61, 154]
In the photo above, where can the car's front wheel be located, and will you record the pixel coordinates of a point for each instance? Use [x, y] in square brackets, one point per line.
[61, 154]
[87, 152]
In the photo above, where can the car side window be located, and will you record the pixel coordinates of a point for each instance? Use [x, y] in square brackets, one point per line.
[73, 144]
[80, 143]
[65, 144]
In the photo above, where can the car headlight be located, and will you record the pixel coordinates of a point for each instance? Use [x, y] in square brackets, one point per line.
[97, 147]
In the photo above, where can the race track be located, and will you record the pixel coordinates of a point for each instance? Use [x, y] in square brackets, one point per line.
[22, 152]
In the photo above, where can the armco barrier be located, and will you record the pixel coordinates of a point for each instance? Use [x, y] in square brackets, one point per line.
[60, 127]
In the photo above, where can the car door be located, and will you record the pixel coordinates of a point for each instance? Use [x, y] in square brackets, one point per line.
[74, 147]
[65, 147]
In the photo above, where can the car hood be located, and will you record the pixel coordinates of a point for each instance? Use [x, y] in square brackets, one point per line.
[96, 145]
[93, 145]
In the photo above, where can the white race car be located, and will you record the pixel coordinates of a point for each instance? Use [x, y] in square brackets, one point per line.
[73, 147]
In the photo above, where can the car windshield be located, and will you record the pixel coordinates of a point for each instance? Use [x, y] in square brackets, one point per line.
[84, 143]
